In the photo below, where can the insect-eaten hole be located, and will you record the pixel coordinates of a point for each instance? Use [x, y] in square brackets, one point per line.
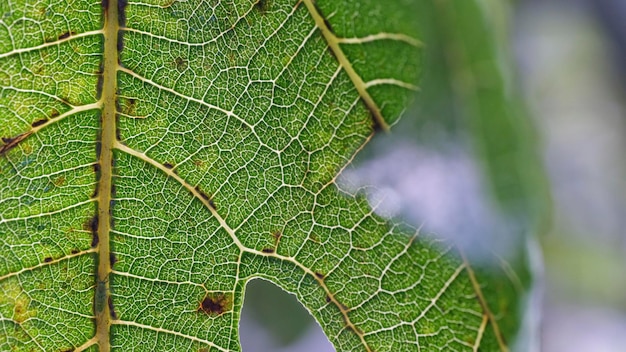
[216, 304]
[269, 308]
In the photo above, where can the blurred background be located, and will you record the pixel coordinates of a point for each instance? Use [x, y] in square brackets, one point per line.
[516, 140]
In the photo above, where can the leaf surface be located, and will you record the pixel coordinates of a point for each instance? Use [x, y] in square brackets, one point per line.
[157, 155]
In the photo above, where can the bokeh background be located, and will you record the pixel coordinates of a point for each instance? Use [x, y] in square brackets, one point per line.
[517, 140]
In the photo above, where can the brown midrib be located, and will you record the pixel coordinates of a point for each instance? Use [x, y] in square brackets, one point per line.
[107, 139]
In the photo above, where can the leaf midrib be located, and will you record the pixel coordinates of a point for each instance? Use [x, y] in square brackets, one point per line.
[105, 159]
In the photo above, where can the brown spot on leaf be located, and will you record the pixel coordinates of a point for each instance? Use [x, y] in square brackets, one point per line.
[111, 308]
[328, 299]
[180, 63]
[216, 304]
[96, 167]
[75, 251]
[118, 135]
[206, 197]
[262, 6]
[95, 193]
[47, 259]
[319, 275]
[98, 148]
[54, 113]
[130, 105]
[121, 10]
[39, 122]
[12, 142]
[112, 259]
[99, 85]
[268, 250]
[201, 193]
[168, 165]
[92, 226]
[59, 181]
[66, 35]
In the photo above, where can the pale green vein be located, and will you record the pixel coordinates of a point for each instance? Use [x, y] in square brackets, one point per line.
[50, 44]
[382, 36]
[44, 264]
[333, 43]
[171, 332]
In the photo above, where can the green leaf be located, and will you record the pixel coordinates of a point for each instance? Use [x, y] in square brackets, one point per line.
[158, 155]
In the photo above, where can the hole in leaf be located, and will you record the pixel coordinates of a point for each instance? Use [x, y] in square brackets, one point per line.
[274, 320]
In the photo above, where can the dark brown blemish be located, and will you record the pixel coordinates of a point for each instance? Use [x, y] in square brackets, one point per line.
[129, 106]
[92, 226]
[168, 165]
[54, 113]
[120, 38]
[375, 123]
[121, 10]
[99, 85]
[96, 167]
[180, 63]
[75, 251]
[328, 25]
[216, 304]
[262, 6]
[328, 299]
[66, 35]
[111, 308]
[277, 235]
[205, 197]
[202, 194]
[105, 5]
[268, 250]
[112, 259]
[47, 259]
[319, 275]
[12, 142]
[95, 240]
[39, 122]
[118, 136]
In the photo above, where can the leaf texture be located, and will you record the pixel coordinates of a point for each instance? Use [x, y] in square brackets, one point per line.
[159, 154]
